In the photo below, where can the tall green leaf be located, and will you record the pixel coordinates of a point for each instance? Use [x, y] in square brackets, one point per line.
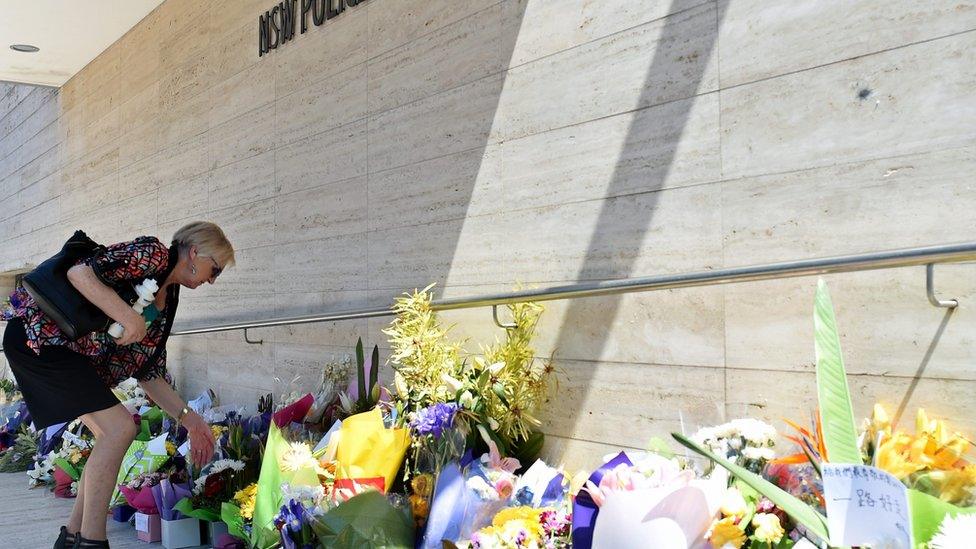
[374, 371]
[361, 375]
[836, 413]
[801, 512]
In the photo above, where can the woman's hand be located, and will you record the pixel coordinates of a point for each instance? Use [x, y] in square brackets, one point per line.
[134, 326]
[201, 439]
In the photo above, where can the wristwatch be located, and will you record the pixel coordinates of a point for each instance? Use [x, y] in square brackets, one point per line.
[183, 413]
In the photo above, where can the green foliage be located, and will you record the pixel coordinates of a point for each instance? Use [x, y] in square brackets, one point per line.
[369, 390]
[20, 456]
[837, 415]
[500, 389]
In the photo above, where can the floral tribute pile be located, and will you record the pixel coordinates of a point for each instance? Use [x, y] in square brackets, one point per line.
[445, 453]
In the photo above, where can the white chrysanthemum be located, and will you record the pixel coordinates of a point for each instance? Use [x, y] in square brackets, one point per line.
[224, 464]
[198, 485]
[751, 452]
[755, 431]
[955, 532]
[298, 456]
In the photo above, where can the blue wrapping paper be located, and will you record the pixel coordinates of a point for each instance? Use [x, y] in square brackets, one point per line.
[447, 509]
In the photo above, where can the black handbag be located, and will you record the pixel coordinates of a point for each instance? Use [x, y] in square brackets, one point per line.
[54, 294]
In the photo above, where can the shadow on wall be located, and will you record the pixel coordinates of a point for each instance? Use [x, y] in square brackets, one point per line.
[606, 234]
[461, 238]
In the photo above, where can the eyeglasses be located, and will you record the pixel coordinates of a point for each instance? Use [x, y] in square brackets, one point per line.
[215, 272]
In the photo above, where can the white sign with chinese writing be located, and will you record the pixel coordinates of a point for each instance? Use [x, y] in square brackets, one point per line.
[866, 506]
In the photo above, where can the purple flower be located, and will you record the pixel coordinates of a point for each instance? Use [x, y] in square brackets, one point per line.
[433, 419]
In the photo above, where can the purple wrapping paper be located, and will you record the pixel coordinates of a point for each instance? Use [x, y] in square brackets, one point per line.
[50, 438]
[555, 491]
[166, 494]
[585, 511]
[227, 541]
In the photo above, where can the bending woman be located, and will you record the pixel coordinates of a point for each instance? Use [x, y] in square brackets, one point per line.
[63, 379]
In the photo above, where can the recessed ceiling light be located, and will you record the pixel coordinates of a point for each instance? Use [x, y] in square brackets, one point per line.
[26, 48]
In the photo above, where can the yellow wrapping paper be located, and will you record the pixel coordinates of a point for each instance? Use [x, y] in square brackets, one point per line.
[367, 449]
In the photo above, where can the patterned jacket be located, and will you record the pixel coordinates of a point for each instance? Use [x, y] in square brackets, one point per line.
[125, 262]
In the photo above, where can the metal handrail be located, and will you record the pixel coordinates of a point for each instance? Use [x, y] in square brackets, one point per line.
[909, 257]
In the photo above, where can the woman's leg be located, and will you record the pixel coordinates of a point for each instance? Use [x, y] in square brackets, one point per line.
[114, 431]
[78, 511]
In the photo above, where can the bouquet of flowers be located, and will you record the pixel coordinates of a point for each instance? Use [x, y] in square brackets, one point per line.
[747, 442]
[525, 527]
[641, 496]
[138, 492]
[499, 390]
[20, 455]
[218, 483]
[932, 460]
[69, 460]
[294, 520]
[131, 395]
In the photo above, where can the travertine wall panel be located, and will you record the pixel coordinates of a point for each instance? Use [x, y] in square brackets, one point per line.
[484, 143]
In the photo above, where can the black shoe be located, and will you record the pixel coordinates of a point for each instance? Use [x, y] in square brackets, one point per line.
[66, 540]
[82, 543]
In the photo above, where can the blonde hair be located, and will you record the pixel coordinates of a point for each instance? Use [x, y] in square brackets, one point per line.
[209, 240]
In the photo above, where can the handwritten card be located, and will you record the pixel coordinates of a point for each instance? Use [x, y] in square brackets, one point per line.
[142, 522]
[866, 506]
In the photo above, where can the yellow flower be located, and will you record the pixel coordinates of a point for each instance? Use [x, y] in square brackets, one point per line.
[768, 528]
[217, 430]
[733, 504]
[419, 506]
[526, 517]
[422, 485]
[956, 486]
[932, 448]
[724, 533]
[880, 421]
[170, 448]
[245, 500]
[894, 456]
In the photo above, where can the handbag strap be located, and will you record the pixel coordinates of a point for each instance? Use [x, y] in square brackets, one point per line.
[172, 302]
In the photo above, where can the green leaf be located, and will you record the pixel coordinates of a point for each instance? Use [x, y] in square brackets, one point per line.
[374, 371]
[928, 512]
[367, 521]
[186, 507]
[230, 514]
[840, 434]
[801, 512]
[528, 450]
[361, 374]
[499, 390]
[68, 468]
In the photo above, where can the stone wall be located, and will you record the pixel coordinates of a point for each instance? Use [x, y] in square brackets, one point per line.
[483, 143]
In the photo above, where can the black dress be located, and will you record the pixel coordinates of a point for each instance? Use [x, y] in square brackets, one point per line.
[58, 384]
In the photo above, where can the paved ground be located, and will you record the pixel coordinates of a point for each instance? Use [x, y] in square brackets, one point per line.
[31, 519]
